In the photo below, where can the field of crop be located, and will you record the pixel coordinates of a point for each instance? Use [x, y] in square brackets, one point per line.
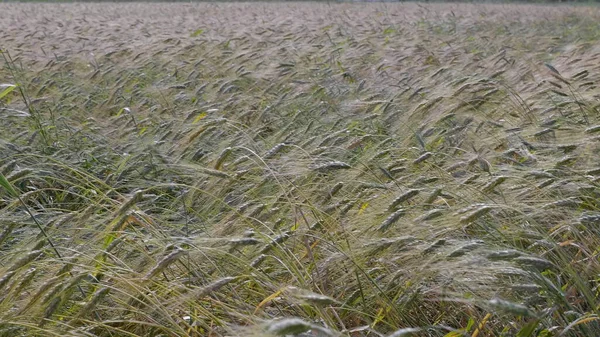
[299, 169]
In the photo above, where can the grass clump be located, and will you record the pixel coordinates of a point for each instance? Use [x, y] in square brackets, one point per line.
[307, 170]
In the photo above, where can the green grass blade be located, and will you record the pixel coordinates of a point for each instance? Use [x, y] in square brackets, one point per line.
[8, 88]
[8, 186]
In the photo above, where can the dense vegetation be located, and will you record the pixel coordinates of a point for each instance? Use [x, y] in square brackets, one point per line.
[251, 170]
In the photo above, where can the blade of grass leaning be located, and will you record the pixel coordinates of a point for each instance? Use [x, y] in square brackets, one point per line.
[6, 89]
[13, 192]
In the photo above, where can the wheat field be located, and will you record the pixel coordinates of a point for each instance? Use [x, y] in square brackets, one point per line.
[299, 169]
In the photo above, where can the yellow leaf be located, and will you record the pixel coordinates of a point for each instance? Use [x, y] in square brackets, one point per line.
[295, 226]
[267, 300]
[566, 243]
[380, 316]
[587, 320]
[363, 207]
[199, 117]
[481, 325]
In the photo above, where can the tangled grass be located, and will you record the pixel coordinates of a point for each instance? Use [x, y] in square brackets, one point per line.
[303, 169]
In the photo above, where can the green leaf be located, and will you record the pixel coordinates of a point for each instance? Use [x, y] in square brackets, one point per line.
[8, 88]
[389, 31]
[528, 329]
[457, 333]
[127, 110]
[545, 333]
[197, 32]
[470, 324]
[8, 186]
